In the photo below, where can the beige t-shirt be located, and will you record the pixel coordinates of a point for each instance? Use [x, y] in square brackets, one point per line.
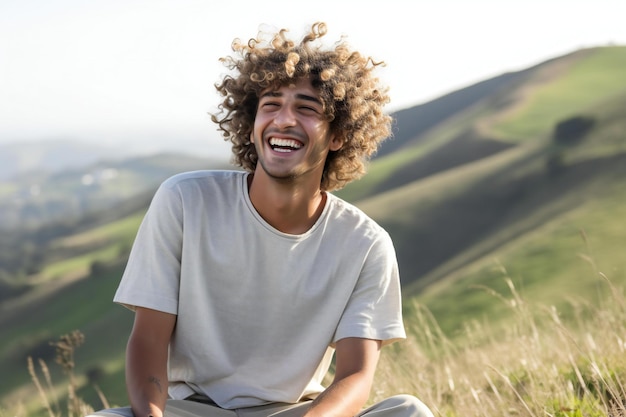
[258, 310]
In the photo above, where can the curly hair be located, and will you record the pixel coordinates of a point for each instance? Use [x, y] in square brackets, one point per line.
[352, 95]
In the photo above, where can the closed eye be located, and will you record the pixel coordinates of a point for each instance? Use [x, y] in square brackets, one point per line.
[270, 104]
[309, 109]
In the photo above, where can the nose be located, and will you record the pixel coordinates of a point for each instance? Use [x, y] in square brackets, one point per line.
[286, 117]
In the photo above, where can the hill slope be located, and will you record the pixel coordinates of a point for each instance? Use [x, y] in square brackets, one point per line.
[504, 181]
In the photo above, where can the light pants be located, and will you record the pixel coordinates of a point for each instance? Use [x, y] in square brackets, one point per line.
[397, 406]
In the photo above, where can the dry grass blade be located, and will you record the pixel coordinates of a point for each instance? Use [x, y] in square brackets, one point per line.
[40, 390]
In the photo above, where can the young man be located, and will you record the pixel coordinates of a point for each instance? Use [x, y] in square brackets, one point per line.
[245, 283]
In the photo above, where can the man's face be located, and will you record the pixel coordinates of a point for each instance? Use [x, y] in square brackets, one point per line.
[291, 135]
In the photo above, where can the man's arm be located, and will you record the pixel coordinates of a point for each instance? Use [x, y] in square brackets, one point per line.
[146, 361]
[356, 361]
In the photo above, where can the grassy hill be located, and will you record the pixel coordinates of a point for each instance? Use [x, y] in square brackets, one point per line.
[443, 215]
[451, 226]
[73, 293]
[477, 187]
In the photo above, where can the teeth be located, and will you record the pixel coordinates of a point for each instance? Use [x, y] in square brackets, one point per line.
[280, 144]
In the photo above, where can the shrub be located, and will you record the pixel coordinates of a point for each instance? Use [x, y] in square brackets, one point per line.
[572, 131]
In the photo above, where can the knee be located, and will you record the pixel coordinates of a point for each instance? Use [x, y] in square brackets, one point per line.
[410, 406]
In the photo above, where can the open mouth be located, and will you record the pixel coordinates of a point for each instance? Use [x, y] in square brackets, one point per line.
[284, 145]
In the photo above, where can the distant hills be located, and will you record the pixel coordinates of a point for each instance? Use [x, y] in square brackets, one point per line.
[69, 181]
[51, 156]
[522, 175]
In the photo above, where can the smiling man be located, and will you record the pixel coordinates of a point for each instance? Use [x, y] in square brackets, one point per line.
[245, 284]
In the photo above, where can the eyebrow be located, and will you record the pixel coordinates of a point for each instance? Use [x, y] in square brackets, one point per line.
[298, 96]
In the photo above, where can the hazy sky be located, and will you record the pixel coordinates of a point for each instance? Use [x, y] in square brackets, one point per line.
[141, 72]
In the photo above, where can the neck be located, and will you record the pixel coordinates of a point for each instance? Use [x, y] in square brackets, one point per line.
[286, 205]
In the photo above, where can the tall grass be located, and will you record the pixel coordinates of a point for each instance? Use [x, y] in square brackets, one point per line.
[536, 365]
[65, 346]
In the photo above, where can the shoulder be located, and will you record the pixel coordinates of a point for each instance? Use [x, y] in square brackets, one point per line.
[354, 219]
[203, 177]
[196, 187]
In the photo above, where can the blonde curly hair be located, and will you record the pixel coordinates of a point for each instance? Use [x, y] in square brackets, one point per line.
[352, 95]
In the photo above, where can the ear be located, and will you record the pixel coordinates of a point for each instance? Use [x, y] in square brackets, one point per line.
[336, 142]
[251, 137]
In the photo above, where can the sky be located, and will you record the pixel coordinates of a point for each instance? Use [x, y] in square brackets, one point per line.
[139, 74]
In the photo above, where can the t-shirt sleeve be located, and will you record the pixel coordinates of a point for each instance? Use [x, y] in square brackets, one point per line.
[374, 310]
[152, 275]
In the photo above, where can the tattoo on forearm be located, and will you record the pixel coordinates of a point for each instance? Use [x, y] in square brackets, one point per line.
[156, 381]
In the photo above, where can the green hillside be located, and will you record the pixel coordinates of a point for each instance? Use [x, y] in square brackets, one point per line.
[554, 263]
[516, 209]
[74, 292]
[443, 219]
[530, 99]
[491, 190]
[591, 78]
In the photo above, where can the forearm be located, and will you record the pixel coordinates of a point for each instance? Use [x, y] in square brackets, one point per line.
[344, 397]
[146, 379]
